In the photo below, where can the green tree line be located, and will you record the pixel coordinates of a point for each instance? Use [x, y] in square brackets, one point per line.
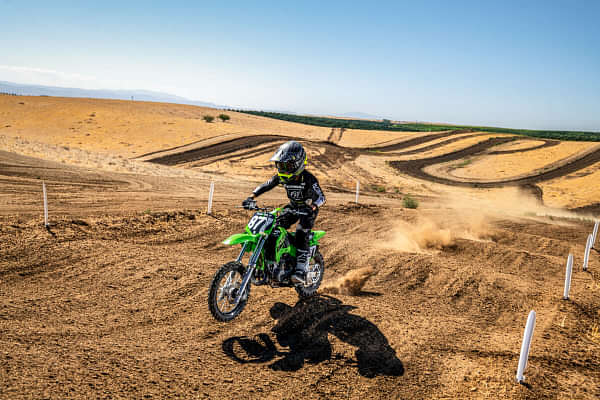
[387, 125]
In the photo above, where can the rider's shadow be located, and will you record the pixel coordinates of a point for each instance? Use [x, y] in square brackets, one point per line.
[304, 329]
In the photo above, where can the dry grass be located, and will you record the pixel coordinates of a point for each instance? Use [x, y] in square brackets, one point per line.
[436, 141]
[450, 147]
[364, 138]
[509, 165]
[129, 128]
[519, 145]
[91, 159]
[575, 190]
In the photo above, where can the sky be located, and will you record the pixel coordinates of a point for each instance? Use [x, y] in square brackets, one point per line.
[524, 64]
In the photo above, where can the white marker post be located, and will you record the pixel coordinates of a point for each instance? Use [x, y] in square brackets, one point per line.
[568, 277]
[45, 205]
[357, 190]
[594, 234]
[527, 335]
[586, 255]
[210, 197]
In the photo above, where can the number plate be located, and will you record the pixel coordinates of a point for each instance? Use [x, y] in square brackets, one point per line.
[260, 222]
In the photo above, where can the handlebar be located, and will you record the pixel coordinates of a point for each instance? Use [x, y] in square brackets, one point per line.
[296, 212]
[266, 209]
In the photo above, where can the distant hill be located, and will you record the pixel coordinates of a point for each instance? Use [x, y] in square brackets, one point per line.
[141, 95]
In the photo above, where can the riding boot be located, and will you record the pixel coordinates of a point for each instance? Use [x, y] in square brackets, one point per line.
[299, 275]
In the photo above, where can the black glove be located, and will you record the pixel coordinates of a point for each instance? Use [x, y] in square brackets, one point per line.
[249, 203]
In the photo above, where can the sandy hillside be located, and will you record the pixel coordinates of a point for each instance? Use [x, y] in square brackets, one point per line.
[112, 135]
[129, 128]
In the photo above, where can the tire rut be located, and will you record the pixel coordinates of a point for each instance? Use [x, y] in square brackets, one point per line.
[223, 149]
[334, 153]
[415, 168]
[219, 149]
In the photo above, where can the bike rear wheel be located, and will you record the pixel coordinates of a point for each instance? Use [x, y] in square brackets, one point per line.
[316, 268]
[224, 290]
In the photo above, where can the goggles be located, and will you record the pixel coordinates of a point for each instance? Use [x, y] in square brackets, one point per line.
[287, 167]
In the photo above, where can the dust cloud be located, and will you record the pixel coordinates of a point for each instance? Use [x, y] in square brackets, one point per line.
[351, 283]
[469, 216]
[507, 202]
[426, 234]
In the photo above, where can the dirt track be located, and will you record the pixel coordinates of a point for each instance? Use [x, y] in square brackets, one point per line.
[112, 302]
[225, 147]
[414, 168]
[229, 146]
[433, 146]
[416, 141]
[547, 143]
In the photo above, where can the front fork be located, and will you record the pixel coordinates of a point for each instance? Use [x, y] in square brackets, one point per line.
[251, 266]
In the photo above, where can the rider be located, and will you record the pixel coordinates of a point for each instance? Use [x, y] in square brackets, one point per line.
[304, 193]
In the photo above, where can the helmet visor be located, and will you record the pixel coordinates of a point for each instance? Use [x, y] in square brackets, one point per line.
[287, 167]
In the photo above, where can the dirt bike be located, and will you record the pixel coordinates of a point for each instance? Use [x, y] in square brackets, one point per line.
[272, 262]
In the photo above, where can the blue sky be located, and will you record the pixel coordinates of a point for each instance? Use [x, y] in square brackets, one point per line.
[530, 64]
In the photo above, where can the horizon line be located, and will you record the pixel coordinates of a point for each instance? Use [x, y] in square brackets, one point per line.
[341, 116]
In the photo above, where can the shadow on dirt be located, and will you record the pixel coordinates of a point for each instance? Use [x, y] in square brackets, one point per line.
[304, 329]
[47, 227]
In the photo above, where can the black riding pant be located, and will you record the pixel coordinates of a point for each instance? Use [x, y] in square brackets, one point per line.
[305, 224]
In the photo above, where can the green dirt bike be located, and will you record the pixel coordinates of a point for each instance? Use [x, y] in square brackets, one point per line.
[272, 261]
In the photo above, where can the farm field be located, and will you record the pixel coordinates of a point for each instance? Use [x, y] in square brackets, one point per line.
[387, 125]
[110, 302]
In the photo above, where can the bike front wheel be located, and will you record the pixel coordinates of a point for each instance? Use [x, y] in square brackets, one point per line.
[224, 291]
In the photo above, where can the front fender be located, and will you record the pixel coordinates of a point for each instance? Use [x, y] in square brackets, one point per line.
[316, 236]
[240, 238]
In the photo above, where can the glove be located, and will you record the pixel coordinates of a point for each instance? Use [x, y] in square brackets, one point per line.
[249, 203]
[310, 204]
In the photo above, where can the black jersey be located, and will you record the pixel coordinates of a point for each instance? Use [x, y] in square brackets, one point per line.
[298, 190]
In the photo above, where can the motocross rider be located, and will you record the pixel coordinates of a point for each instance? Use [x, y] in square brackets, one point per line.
[304, 193]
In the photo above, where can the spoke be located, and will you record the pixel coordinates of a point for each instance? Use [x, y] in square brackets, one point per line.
[229, 277]
[232, 281]
[221, 292]
[221, 307]
[226, 285]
